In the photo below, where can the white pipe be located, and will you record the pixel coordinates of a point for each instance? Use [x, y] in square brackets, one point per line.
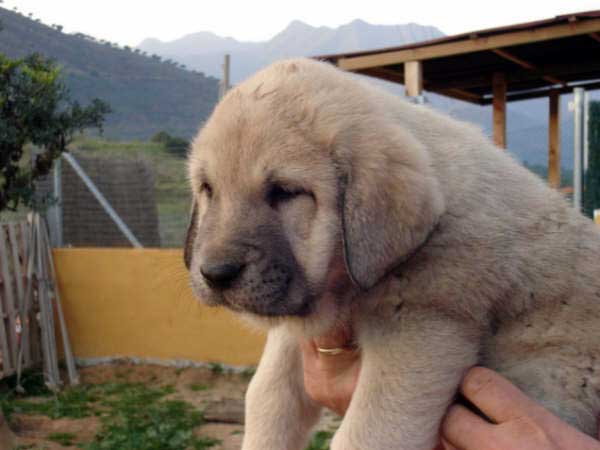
[102, 200]
[578, 160]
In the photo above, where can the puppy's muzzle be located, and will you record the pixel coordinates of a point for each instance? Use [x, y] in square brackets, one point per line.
[221, 274]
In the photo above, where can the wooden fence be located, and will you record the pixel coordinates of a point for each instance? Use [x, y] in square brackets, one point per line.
[19, 329]
[29, 303]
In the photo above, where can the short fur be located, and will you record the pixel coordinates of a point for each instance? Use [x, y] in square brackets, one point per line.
[440, 249]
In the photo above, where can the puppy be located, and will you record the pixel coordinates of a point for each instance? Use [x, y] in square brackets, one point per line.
[319, 200]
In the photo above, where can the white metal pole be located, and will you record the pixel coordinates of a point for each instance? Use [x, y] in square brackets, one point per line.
[586, 110]
[102, 200]
[57, 207]
[578, 160]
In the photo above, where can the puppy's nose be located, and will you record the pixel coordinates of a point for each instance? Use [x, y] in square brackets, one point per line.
[221, 275]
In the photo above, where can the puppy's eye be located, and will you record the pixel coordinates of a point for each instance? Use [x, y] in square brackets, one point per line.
[207, 189]
[278, 194]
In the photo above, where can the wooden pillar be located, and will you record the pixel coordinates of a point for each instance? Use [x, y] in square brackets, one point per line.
[554, 140]
[413, 78]
[499, 114]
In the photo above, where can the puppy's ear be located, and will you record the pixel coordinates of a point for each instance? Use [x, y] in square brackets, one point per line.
[190, 236]
[390, 201]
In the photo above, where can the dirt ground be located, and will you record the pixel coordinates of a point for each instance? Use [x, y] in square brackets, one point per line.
[216, 392]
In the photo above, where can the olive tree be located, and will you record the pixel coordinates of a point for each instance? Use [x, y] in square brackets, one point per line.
[35, 108]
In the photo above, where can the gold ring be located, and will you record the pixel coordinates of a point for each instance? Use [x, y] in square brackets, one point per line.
[331, 351]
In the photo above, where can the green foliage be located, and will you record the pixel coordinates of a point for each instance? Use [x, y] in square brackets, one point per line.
[248, 373]
[35, 108]
[145, 95]
[139, 418]
[591, 198]
[173, 144]
[197, 387]
[74, 403]
[133, 416]
[216, 368]
[32, 382]
[62, 438]
[320, 441]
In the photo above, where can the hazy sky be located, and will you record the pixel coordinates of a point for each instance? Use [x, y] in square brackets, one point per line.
[128, 22]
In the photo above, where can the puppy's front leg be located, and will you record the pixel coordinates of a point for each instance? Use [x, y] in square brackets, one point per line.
[279, 414]
[410, 372]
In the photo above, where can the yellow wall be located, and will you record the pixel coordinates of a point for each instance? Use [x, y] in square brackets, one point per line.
[124, 302]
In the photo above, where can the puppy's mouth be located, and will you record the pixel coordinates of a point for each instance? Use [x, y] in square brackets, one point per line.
[278, 308]
[266, 300]
[287, 300]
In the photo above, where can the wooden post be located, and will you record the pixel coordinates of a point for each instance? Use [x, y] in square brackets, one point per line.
[413, 78]
[554, 140]
[224, 84]
[499, 113]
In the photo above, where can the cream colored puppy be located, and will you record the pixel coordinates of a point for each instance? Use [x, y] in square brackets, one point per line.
[320, 199]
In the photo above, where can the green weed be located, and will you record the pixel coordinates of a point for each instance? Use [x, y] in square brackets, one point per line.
[197, 387]
[216, 368]
[74, 403]
[132, 415]
[320, 441]
[248, 373]
[62, 438]
[140, 418]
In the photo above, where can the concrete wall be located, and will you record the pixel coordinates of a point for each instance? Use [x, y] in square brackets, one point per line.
[137, 303]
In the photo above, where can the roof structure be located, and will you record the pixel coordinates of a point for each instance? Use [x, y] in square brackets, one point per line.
[535, 58]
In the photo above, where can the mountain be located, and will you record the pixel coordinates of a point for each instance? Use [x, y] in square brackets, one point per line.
[146, 94]
[527, 130]
[149, 94]
[204, 51]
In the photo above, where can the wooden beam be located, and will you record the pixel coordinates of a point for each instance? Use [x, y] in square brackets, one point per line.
[466, 45]
[461, 94]
[521, 62]
[475, 79]
[384, 74]
[539, 93]
[554, 139]
[413, 78]
[499, 111]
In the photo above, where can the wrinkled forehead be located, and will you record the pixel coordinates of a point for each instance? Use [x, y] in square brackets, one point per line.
[244, 151]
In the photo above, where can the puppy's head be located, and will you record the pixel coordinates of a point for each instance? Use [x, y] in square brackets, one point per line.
[295, 168]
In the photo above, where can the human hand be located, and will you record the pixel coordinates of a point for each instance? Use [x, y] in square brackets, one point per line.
[330, 380]
[518, 422]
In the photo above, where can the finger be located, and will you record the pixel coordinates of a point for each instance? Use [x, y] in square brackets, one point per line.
[497, 397]
[445, 445]
[331, 366]
[338, 336]
[464, 430]
[307, 348]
